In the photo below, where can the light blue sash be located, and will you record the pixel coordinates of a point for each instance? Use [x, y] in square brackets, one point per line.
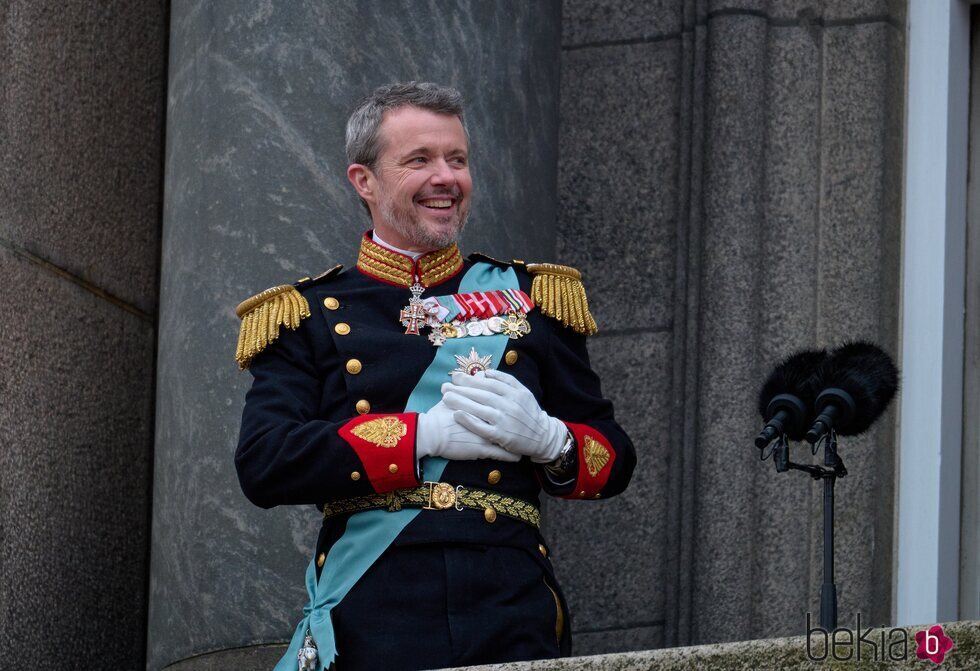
[369, 533]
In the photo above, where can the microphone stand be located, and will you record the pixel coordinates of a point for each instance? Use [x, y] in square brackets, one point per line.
[832, 469]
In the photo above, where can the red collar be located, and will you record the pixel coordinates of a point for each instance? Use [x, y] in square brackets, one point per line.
[387, 266]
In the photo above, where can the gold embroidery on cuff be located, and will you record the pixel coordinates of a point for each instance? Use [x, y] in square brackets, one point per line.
[383, 432]
[596, 455]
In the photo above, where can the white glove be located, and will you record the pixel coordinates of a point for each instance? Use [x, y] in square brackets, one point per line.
[438, 435]
[496, 406]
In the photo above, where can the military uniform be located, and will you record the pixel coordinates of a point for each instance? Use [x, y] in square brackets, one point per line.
[465, 582]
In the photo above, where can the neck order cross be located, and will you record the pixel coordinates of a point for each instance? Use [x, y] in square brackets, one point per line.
[413, 315]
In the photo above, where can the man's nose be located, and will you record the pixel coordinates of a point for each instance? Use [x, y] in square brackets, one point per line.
[442, 173]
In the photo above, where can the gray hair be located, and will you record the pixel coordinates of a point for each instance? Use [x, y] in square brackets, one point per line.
[364, 142]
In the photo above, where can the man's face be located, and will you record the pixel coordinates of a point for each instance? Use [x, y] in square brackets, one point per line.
[423, 179]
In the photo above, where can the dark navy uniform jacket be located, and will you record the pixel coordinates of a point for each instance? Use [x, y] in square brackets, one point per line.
[350, 361]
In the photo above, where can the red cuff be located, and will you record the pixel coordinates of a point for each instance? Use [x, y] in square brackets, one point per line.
[595, 460]
[385, 445]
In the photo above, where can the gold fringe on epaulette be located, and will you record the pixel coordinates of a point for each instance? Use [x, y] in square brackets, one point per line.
[558, 292]
[263, 314]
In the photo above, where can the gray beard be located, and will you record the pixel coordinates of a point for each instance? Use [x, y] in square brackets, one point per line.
[408, 226]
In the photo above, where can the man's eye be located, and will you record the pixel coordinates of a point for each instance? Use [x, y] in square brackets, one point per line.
[418, 159]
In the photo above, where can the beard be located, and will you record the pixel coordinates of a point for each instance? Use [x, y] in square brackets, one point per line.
[407, 223]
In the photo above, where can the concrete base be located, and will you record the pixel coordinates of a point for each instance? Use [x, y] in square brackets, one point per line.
[250, 657]
[785, 654]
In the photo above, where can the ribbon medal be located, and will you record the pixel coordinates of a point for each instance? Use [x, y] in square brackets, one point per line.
[478, 313]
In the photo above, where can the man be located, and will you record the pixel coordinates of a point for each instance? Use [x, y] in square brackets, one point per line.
[422, 401]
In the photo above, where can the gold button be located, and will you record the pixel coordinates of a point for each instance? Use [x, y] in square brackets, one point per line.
[543, 550]
[582, 493]
[320, 559]
[597, 496]
[493, 477]
[490, 515]
[393, 468]
[511, 358]
[342, 328]
[355, 476]
[362, 407]
[353, 366]
[331, 303]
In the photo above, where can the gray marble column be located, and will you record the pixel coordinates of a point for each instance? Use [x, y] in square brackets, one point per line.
[81, 147]
[256, 195]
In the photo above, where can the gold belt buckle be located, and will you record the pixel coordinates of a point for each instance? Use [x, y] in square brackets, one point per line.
[442, 496]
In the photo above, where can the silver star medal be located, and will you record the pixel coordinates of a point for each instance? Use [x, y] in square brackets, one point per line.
[472, 364]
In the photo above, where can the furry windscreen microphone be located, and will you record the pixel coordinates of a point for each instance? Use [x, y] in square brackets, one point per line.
[787, 398]
[858, 381]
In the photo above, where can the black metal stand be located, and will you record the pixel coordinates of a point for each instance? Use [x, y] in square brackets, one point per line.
[832, 469]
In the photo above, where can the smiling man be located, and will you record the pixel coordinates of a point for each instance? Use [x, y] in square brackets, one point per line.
[422, 402]
[417, 187]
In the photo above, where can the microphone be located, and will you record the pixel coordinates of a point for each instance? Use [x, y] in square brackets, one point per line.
[858, 380]
[788, 395]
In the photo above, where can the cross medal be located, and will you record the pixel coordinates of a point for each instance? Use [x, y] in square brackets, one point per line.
[413, 315]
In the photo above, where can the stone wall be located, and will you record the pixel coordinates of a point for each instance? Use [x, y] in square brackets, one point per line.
[730, 186]
[81, 128]
[726, 175]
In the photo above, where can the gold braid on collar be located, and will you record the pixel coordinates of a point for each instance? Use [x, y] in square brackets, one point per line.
[388, 266]
[558, 292]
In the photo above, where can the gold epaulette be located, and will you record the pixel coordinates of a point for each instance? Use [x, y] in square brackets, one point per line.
[558, 292]
[264, 313]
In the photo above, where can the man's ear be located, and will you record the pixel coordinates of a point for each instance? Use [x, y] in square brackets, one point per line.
[364, 181]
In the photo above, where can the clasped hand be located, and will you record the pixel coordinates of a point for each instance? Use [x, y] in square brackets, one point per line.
[489, 416]
[440, 435]
[496, 407]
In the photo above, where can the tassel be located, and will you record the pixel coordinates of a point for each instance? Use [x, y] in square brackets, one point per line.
[262, 315]
[558, 292]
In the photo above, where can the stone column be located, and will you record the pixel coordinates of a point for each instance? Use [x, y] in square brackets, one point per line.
[81, 147]
[256, 195]
[730, 187]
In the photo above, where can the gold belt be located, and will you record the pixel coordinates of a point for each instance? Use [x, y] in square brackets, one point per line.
[439, 496]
